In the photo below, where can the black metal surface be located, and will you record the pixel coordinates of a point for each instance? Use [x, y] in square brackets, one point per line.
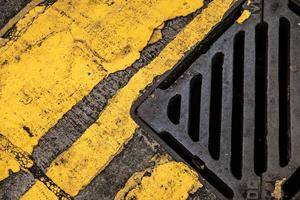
[231, 107]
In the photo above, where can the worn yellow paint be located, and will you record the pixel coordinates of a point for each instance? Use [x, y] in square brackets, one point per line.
[77, 166]
[42, 191]
[244, 17]
[162, 181]
[59, 53]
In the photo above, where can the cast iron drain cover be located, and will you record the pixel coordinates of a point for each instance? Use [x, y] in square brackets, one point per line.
[231, 107]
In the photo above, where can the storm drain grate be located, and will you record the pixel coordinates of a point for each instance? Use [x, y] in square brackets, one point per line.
[231, 108]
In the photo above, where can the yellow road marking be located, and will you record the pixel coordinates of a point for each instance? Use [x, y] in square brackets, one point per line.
[163, 181]
[42, 191]
[77, 166]
[59, 53]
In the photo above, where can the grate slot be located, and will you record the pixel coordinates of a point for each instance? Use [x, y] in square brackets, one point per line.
[173, 110]
[284, 92]
[294, 6]
[194, 107]
[237, 105]
[215, 105]
[260, 144]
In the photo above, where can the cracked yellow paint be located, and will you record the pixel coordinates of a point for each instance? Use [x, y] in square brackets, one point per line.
[92, 152]
[162, 181]
[59, 53]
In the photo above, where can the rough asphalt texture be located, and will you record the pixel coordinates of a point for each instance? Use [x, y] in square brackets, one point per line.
[137, 152]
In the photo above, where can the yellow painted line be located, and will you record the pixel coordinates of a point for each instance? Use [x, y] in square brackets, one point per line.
[77, 166]
[163, 181]
[59, 53]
